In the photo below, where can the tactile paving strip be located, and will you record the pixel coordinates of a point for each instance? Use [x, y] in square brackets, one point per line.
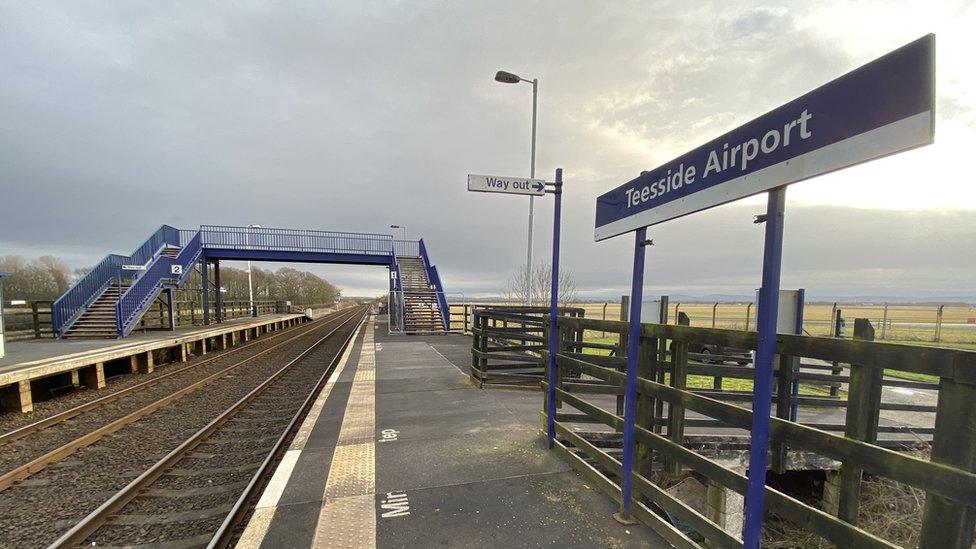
[348, 514]
[345, 526]
[352, 471]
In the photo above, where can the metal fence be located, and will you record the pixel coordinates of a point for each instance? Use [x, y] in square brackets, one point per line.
[938, 323]
[259, 238]
[109, 270]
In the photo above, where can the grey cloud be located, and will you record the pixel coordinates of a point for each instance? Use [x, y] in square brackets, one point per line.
[118, 117]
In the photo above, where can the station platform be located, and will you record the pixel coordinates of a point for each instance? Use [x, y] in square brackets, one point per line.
[83, 361]
[401, 450]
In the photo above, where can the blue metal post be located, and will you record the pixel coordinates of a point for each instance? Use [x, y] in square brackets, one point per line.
[763, 382]
[630, 391]
[554, 313]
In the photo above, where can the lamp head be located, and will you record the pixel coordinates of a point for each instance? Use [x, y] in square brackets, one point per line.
[507, 77]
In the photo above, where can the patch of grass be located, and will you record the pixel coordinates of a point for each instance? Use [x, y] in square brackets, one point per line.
[601, 352]
[913, 376]
[706, 382]
[914, 324]
[746, 385]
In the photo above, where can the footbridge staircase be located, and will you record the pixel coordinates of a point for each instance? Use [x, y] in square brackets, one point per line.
[112, 297]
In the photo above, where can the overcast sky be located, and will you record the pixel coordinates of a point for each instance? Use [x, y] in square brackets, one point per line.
[116, 117]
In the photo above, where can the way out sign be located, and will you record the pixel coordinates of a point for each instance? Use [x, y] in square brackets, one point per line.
[506, 185]
[881, 108]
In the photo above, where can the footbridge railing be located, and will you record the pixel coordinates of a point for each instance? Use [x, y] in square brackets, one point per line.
[434, 278]
[137, 298]
[84, 290]
[588, 425]
[407, 248]
[298, 240]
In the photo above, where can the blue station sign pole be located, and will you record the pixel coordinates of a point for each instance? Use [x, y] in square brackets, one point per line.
[763, 380]
[551, 378]
[630, 389]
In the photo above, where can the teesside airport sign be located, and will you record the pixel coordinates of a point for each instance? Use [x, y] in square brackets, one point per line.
[884, 107]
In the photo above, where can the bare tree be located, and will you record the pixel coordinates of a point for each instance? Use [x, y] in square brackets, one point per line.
[58, 271]
[541, 286]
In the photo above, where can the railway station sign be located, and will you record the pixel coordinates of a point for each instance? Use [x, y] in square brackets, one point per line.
[133, 267]
[881, 108]
[506, 185]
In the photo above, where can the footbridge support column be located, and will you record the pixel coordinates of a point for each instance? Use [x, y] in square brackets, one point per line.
[205, 289]
[218, 297]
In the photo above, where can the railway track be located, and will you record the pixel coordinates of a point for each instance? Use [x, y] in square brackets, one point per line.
[176, 501]
[35, 511]
[33, 447]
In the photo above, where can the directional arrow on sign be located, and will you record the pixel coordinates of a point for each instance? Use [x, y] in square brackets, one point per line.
[506, 185]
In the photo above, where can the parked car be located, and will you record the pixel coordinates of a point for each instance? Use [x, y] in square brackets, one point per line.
[718, 354]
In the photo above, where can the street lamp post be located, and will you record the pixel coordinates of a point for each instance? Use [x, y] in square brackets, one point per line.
[400, 227]
[509, 78]
[250, 285]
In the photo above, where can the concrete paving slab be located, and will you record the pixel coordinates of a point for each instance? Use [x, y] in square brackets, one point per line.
[448, 464]
[554, 510]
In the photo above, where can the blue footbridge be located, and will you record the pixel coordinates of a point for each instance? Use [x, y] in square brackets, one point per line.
[111, 298]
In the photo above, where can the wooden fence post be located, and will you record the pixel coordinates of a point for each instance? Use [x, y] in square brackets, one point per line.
[646, 369]
[477, 344]
[863, 407]
[948, 523]
[622, 345]
[36, 320]
[604, 318]
[884, 321]
[679, 378]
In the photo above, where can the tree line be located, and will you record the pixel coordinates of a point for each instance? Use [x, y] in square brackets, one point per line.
[283, 284]
[42, 278]
[47, 277]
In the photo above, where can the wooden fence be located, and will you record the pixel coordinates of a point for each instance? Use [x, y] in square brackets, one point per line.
[29, 322]
[664, 400]
[508, 344]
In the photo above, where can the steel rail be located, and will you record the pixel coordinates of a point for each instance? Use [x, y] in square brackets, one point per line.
[94, 520]
[223, 535]
[39, 425]
[40, 463]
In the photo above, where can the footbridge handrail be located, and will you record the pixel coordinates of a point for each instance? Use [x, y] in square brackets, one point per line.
[261, 238]
[406, 248]
[133, 303]
[435, 278]
[84, 290]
